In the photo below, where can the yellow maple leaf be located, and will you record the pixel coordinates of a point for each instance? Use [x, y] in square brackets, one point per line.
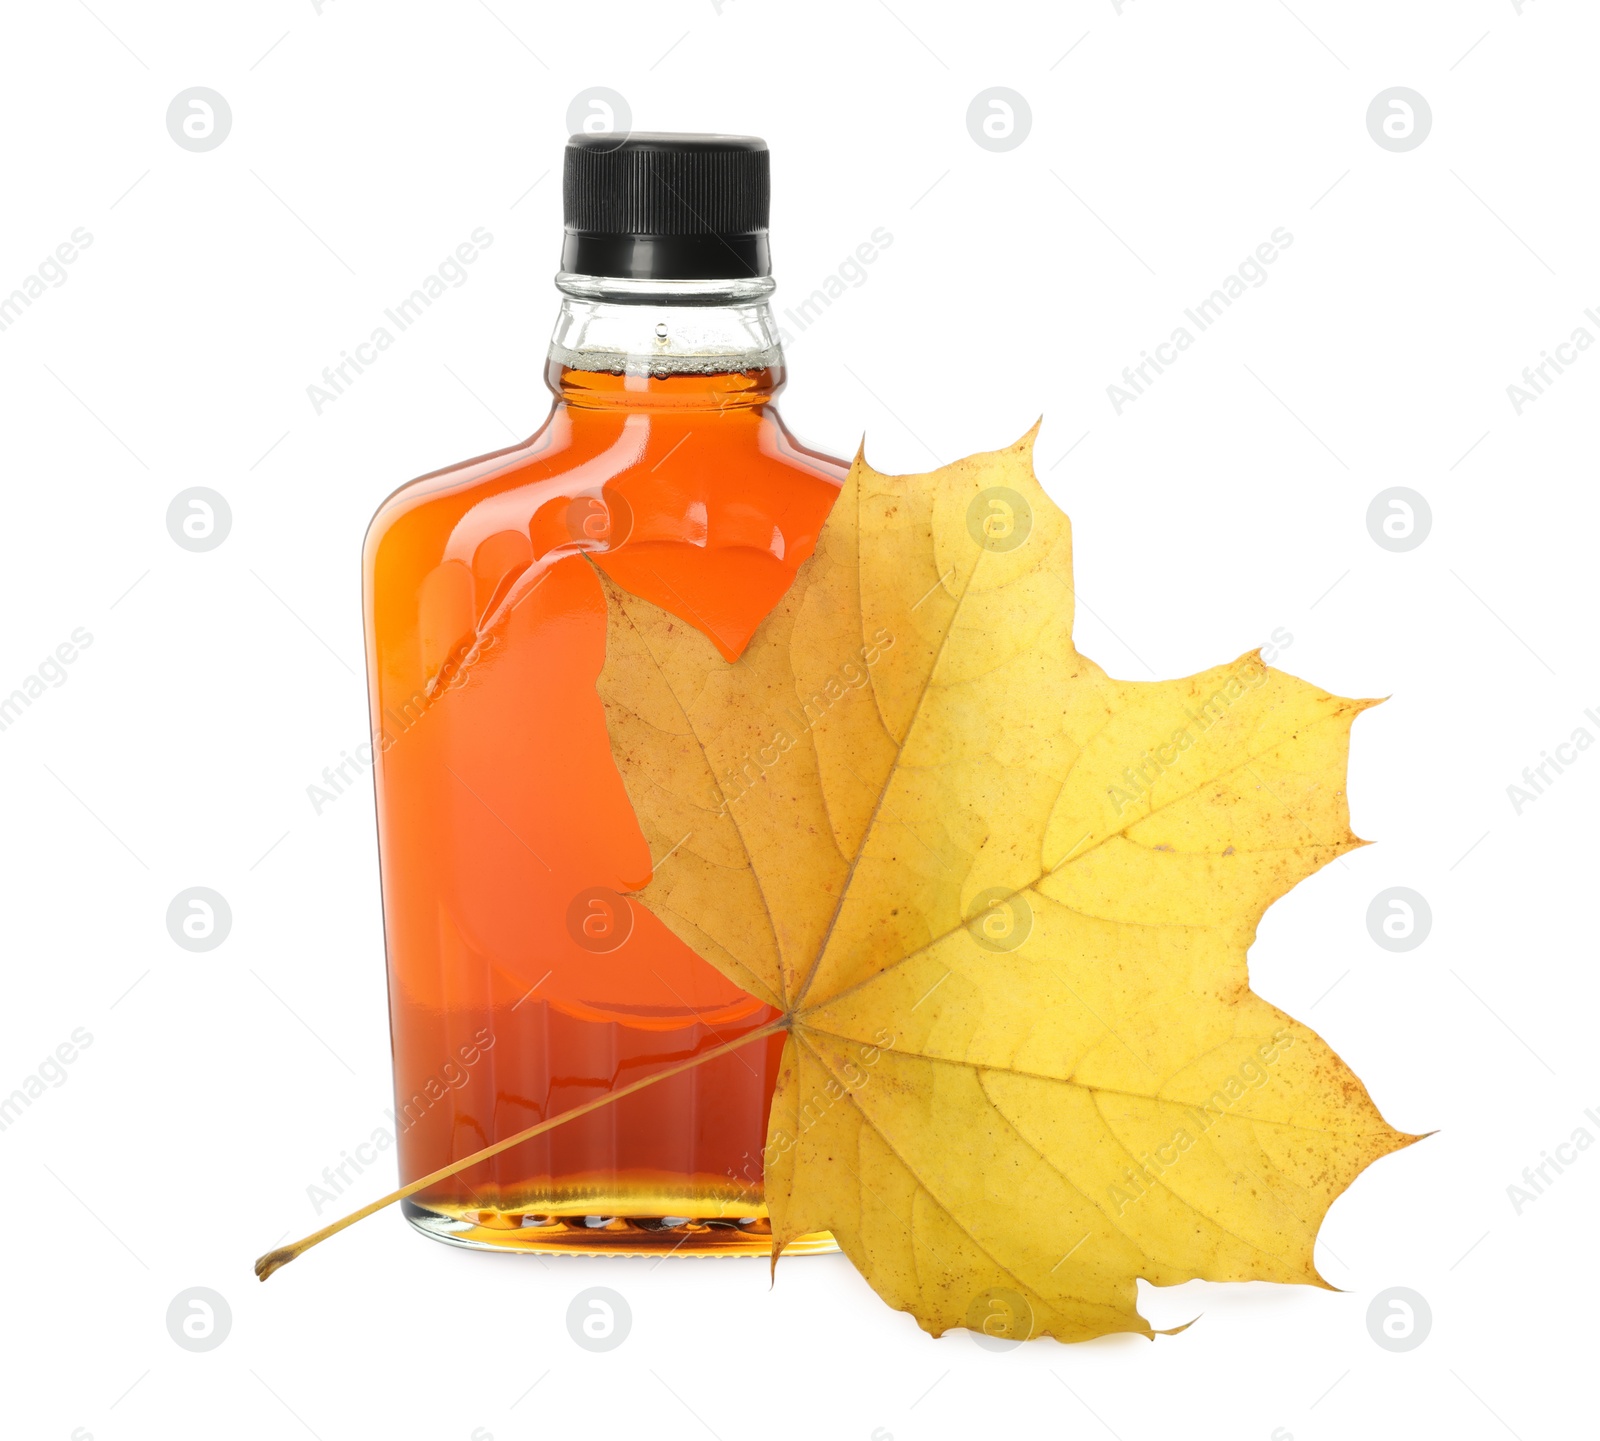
[1004, 902]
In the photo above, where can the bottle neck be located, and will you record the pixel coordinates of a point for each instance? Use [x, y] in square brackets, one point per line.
[679, 343]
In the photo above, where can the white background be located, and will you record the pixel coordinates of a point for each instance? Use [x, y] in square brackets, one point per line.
[1166, 143]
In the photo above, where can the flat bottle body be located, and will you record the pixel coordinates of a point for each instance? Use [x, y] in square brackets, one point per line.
[522, 983]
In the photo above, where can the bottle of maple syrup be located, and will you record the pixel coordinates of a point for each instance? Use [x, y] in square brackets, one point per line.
[522, 982]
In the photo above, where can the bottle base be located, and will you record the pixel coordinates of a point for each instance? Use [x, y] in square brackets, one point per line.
[602, 1235]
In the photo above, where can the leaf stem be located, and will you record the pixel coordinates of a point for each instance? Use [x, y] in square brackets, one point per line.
[273, 1260]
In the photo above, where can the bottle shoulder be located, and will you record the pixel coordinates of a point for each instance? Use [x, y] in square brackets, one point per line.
[451, 485]
[707, 512]
[701, 478]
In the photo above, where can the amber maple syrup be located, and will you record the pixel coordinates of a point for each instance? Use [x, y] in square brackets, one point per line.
[522, 980]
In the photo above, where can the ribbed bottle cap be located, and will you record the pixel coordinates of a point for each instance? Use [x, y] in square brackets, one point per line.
[666, 207]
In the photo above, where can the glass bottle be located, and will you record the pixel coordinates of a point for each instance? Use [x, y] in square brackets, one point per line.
[521, 982]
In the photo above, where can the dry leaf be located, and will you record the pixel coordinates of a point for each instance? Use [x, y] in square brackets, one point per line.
[1005, 902]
